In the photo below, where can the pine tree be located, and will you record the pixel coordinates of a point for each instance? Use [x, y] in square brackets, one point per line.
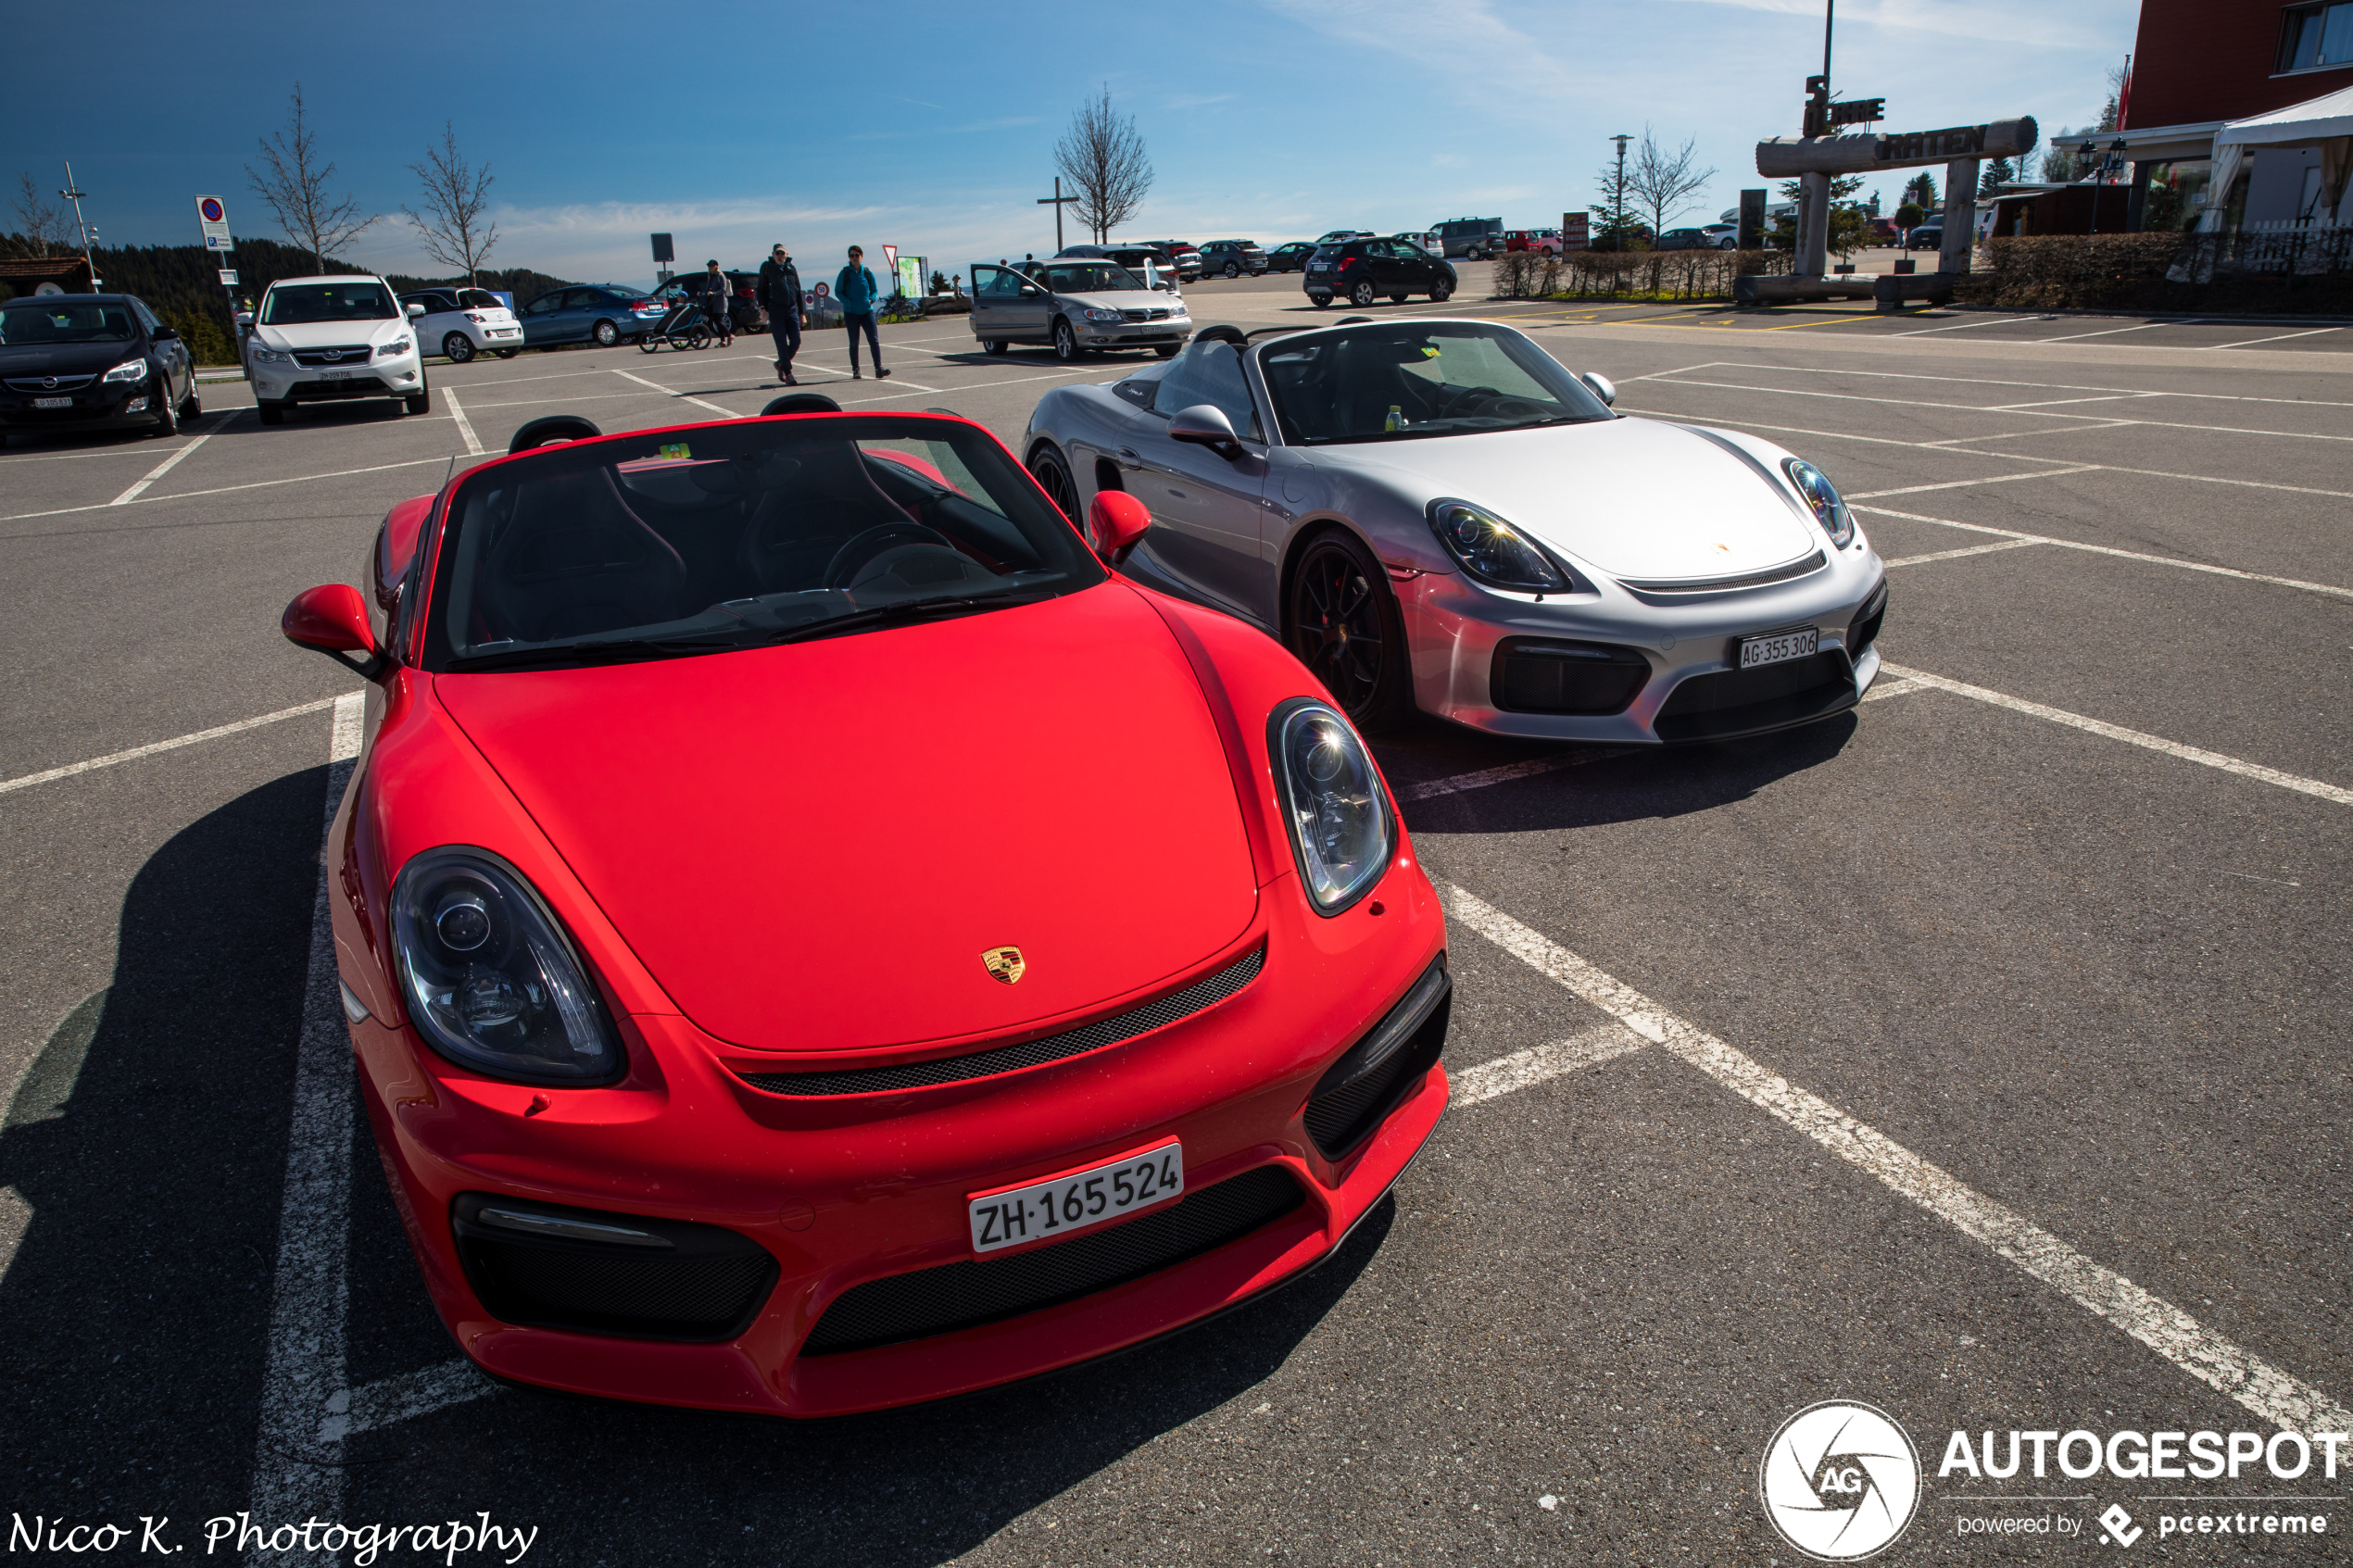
[1997, 174]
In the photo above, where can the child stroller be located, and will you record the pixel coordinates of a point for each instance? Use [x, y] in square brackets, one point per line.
[684, 327]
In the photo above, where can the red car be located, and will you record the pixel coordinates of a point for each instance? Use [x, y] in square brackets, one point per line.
[816, 937]
[1543, 242]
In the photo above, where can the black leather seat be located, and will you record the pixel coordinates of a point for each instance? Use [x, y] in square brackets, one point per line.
[576, 560]
[809, 513]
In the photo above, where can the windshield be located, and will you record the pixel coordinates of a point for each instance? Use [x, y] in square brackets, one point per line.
[1090, 277]
[1397, 383]
[295, 304]
[739, 535]
[23, 324]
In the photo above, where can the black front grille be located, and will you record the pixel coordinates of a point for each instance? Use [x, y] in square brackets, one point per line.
[1865, 630]
[1553, 675]
[1738, 702]
[357, 386]
[338, 353]
[1029, 1053]
[1359, 1090]
[48, 383]
[954, 1295]
[691, 1283]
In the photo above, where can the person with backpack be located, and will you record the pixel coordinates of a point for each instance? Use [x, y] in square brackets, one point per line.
[715, 294]
[779, 292]
[855, 288]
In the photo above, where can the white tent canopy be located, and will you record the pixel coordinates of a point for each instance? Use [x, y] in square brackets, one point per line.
[2325, 122]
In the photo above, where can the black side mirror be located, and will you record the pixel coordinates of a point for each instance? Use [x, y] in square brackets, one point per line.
[163, 334]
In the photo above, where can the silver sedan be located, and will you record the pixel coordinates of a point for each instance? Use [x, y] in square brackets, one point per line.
[1434, 514]
[1074, 308]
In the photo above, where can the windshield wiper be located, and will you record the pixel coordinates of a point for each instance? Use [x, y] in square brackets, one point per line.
[906, 609]
[603, 650]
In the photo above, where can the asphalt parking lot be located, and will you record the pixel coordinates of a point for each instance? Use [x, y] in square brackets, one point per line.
[1977, 1054]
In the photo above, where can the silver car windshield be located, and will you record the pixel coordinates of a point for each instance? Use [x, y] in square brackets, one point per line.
[1404, 382]
[1092, 277]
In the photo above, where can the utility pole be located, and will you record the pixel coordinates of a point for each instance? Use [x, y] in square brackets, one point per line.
[74, 194]
[1618, 193]
[1057, 201]
[1829, 9]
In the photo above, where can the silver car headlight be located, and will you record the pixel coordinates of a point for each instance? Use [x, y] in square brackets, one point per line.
[1821, 498]
[1341, 832]
[272, 357]
[394, 349]
[130, 371]
[1094, 315]
[490, 981]
[1494, 551]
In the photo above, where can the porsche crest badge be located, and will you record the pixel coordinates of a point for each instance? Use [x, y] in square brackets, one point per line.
[1004, 963]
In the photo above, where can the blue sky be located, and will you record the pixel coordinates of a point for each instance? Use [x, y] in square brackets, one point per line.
[932, 127]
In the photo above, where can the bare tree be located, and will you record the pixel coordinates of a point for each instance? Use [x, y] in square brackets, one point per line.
[1102, 157]
[39, 220]
[1662, 181]
[293, 184]
[453, 226]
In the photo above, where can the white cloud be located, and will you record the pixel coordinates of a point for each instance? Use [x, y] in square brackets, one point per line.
[2017, 23]
[1464, 41]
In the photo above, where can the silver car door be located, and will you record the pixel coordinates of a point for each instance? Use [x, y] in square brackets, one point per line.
[1205, 507]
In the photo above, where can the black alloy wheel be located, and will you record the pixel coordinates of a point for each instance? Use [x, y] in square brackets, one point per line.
[167, 419]
[1320, 301]
[1440, 291]
[1065, 340]
[1053, 477]
[457, 347]
[1474, 254]
[1362, 294]
[606, 334]
[419, 401]
[1345, 627]
[1233, 269]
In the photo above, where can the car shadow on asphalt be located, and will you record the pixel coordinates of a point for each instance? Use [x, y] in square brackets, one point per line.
[625, 1484]
[1589, 786]
[147, 1140]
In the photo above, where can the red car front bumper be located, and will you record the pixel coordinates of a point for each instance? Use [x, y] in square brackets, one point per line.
[845, 1190]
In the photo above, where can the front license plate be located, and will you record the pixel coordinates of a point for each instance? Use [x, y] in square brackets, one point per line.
[1078, 1201]
[1777, 648]
[53, 402]
[336, 375]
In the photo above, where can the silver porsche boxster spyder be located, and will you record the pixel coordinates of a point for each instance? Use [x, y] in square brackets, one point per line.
[1435, 514]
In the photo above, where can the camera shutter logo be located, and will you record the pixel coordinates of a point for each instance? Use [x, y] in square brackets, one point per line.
[1839, 1480]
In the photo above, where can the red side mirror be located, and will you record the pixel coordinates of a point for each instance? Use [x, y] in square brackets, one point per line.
[1116, 519]
[334, 619]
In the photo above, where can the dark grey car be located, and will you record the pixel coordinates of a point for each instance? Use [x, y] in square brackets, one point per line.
[92, 361]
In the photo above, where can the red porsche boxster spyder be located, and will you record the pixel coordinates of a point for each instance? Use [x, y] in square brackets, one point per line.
[817, 938]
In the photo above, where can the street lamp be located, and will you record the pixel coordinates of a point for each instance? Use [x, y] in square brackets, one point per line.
[1617, 193]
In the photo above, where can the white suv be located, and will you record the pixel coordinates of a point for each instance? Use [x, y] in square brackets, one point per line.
[320, 340]
[461, 322]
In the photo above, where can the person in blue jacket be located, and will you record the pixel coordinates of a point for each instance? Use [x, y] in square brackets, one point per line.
[855, 289]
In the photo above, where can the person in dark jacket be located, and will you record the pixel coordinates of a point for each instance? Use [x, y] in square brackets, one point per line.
[860, 298]
[779, 291]
[716, 296]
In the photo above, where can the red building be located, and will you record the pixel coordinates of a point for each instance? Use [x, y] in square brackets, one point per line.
[2201, 60]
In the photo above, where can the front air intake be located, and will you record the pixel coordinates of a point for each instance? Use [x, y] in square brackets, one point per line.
[543, 1266]
[1556, 675]
[1359, 1090]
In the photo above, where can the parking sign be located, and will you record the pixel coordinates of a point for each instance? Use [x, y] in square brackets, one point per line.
[213, 217]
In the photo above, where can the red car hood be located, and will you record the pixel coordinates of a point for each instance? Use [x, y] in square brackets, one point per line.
[811, 846]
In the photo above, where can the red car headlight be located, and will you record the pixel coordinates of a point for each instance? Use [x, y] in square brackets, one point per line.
[491, 981]
[1341, 832]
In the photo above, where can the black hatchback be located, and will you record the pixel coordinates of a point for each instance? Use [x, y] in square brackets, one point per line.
[1363, 270]
[92, 361]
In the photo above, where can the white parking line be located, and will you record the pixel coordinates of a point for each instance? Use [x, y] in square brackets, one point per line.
[2110, 332]
[1968, 484]
[1955, 555]
[1962, 326]
[1997, 380]
[465, 426]
[111, 758]
[227, 489]
[723, 413]
[309, 1291]
[2130, 737]
[2285, 1400]
[1525, 1068]
[171, 462]
[2175, 561]
[2281, 338]
[2103, 421]
[1887, 688]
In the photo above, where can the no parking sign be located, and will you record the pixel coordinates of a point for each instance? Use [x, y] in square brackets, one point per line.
[213, 217]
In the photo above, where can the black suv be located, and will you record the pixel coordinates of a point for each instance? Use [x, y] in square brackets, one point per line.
[1361, 271]
[1231, 259]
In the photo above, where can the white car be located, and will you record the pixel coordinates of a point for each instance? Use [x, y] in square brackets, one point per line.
[328, 339]
[1723, 236]
[460, 323]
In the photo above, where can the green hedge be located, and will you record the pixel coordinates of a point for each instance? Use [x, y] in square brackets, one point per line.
[2155, 272]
